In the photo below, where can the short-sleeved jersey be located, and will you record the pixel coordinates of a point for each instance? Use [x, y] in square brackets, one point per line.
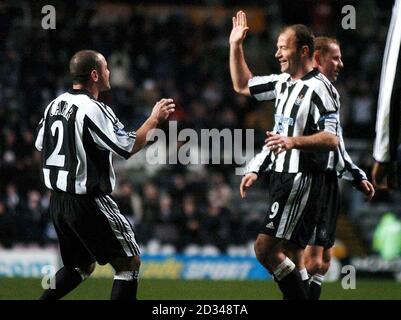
[303, 107]
[77, 136]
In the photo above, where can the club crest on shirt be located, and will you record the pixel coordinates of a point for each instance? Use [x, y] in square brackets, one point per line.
[299, 99]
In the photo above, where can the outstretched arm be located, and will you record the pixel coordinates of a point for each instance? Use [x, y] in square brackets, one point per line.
[240, 73]
[160, 113]
[321, 141]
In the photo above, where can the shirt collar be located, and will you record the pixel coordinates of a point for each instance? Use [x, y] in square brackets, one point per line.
[307, 76]
[81, 91]
[310, 74]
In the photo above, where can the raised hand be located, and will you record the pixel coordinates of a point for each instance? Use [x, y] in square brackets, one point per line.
[162, 110]
[240, 28]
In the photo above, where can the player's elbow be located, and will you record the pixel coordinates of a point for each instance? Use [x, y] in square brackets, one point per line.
[237, 88]
[244, 90]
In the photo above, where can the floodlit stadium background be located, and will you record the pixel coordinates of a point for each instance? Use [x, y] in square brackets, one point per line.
[190, 220]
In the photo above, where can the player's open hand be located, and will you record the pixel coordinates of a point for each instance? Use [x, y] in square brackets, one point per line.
[240, 28]
[162, 110]
[384, 175]
[278, 143]
[246, 182]
[367, 189]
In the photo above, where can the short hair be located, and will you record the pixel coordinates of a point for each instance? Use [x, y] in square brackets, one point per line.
[303, 36]
[82, 64]
[322, 44]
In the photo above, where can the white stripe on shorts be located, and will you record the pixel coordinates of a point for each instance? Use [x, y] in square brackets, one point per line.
[126, 225]
[299, 209]
[291, 198]
[116, 226]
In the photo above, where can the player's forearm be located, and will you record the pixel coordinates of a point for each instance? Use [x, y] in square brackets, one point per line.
[240, 73]
[142, 132]
[322, 141]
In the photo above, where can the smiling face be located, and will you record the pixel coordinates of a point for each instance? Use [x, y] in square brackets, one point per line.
[287, 53]
[329, 63]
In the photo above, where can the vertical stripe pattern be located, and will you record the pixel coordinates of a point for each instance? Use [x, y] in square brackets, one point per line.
[119, 225]
[83, 133]
[303, 107]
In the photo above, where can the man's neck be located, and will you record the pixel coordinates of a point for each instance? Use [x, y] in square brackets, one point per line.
[302, 71]
[91, 89]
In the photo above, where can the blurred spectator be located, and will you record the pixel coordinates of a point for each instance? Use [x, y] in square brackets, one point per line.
[150, 195]
[219, 194]
[129, 202]
[166, 225]
[190, 222]
[7, 226]
[216, 227]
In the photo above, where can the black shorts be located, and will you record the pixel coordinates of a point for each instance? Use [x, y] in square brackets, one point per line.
[295, 201]
[325, 233]
[91, 229]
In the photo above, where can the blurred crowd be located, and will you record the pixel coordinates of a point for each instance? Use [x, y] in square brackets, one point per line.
[175, 51]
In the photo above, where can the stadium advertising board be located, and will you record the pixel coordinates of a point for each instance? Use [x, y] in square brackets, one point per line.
[31, 263]
[27, 263]
[194, 267]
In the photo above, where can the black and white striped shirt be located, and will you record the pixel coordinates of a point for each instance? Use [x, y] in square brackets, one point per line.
[389, 103]
[303, 107]
[341, 162]
[77, 136]
[338, 160]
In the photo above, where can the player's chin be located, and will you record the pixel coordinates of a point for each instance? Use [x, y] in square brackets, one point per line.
[106, 87]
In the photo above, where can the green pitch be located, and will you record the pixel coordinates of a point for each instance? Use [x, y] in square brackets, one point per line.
[99, 289]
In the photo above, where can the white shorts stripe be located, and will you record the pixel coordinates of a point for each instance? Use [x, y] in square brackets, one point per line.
[129, 237]
[291, 198]
[127, 226]
[298, 212]
[114, 226]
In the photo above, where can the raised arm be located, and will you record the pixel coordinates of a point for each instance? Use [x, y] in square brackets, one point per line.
[240, 73]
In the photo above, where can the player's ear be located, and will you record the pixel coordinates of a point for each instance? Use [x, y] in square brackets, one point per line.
[94, 75]
[305, 51]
